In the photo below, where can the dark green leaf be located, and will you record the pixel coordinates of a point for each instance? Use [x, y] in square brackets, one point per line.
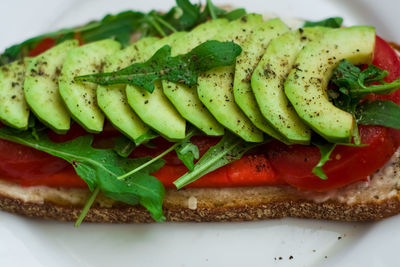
[346, 76]
[357, 83]
[161, 66]
[212, 11]
[380, 112]
[119, 26]
[229, 149]
[325, 148]
[334, 22]
[234, 14]
[370, 75]
[353, 85]
[187, 152]
[146, 137]
[123, 146]
[100, 168]
[190, 14]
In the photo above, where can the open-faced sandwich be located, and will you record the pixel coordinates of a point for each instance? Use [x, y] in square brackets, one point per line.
[200, 114]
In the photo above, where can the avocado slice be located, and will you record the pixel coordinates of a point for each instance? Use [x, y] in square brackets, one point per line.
[268, 79]
[306, 84]
[14, 110]
[80, 97]
[41, 87]
[154, 108]
[215, 87]
[252, 50]
[112, 99]
[185, 98]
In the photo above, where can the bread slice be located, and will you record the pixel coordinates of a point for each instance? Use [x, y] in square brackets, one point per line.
[375, 199]
[363, 201]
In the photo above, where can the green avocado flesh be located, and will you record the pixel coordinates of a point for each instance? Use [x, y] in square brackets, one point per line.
[306, 84]
[79, 97]
[268, 79]
[215, 87]
[14, 110]
[252, 50]
[41, 87]
[276, 87]
[112, 99]
[185, 98]
[154, 108]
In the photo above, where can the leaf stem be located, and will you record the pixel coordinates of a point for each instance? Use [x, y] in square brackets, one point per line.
[187, 177]
[166, 24]
[87, 206]
[157, 26]
[211, 9]
[148, 163]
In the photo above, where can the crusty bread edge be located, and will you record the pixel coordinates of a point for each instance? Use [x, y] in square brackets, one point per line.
[329, 210]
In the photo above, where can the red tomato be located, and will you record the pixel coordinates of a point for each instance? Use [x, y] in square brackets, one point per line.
[67, 177]
[250, 170]
[386, 58]
[42, 46]
[23, 162]
[294, 164]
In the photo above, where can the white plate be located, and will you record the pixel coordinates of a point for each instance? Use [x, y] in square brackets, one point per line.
[34, 243]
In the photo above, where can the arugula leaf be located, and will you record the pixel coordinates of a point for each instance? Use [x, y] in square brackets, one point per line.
[144, 138]
[190, 14]
[213, 11]
[354, 84]
[333, 22]
[123, 146]
[119, 26]
[187, 152]
[380, 112]
[234, 14]
[182, 68]
[155, 159]
[325, 148]
[99, 168]
[229, 149]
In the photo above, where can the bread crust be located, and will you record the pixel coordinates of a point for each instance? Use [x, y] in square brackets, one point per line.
[329, 210]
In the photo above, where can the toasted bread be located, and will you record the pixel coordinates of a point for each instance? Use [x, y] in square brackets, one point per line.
[363, 201]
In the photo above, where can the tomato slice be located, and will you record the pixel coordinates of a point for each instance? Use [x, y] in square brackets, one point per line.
[23, 162]
[294, 164]
[386, 58]
[67, 177]
[42, 46]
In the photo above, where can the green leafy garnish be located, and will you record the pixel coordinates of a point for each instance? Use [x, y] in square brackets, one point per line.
[354, 84]
[229, 149]
[99, 168]
[162, 66]
[334, 22]
[325, 148]
[187, 152]
[123, 146]
[183, 17]
[119, 26]
[179, 147]
[146, 137]
[380, 112]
